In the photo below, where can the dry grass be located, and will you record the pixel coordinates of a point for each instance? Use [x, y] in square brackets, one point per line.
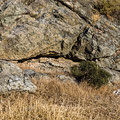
[95, 17]
[55, 100]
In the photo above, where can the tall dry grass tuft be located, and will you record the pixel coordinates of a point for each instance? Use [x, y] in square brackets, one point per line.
[55, 100]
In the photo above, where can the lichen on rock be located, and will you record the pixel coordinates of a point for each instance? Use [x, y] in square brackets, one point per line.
[72, 29]
[12, 78]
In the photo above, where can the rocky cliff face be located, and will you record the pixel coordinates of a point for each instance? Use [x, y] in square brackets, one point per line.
[72, 29]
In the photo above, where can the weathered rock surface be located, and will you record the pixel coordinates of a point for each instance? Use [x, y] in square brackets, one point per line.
[49, 69]
[12, 78]
[42, 28]
[66, 28]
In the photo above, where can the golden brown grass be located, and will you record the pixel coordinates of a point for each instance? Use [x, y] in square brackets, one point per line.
[95, 17]
[55, 100]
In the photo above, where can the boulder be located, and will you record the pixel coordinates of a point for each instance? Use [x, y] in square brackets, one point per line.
[71, 29]
[98, 40]
[42, 28]
[12, 78]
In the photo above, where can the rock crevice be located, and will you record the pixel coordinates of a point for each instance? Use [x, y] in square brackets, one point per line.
[72, 29]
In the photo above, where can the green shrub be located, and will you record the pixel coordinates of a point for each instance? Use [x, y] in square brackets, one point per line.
[109, 7]
[90, 72]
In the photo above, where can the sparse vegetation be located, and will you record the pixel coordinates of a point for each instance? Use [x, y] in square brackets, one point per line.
[109, 8]
[91, 73]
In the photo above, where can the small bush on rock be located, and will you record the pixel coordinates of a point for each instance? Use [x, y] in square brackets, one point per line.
[109, 7]
[90, 72]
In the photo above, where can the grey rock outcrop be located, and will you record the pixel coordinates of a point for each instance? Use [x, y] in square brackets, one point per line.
[99, 38]
[12, 78]
[72, 29]
[29, 73]
[42, 28]
[49, 69]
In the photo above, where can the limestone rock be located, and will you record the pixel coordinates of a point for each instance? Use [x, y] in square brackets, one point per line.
[71, 29]
[65, 78]
[42, 28]
[49, 69]
[29, 72]
[12, 78]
